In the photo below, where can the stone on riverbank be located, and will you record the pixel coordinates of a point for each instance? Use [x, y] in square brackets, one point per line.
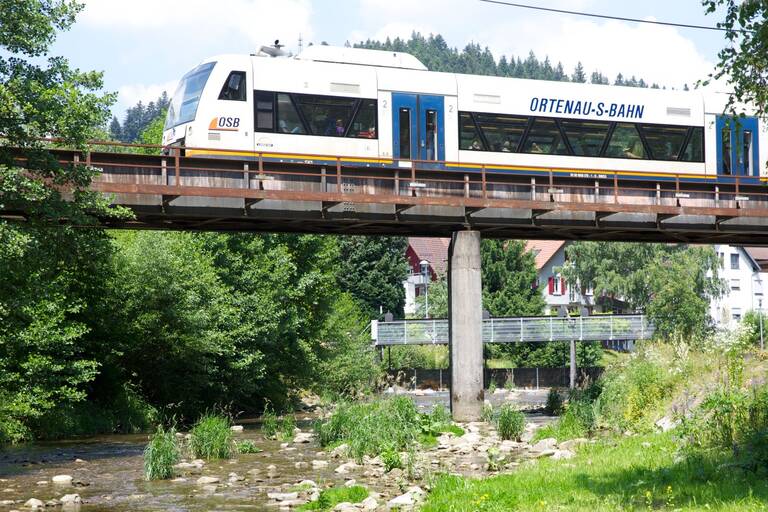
[62, 479]
[236, 428]
[206, 480]
[572, 444]
[34, 504]
[319, 464]
[545, 444]
[282, 496]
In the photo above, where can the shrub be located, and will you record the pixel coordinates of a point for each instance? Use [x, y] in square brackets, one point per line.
[633, 393]
[554, 402]
[211, 438]
[161, 454]
[247, 446]
[391, 459]
[370, 428]
[510, 423]
[286, 424]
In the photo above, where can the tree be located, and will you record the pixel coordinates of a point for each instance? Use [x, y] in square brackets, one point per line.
[578, 74]
[744, 59]
[372, 270]
[671, 283]
[509, 277]
[51, 272]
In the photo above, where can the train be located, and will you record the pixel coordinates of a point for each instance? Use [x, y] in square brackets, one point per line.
[377, 108]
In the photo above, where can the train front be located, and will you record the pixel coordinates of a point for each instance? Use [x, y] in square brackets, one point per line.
[179, 129]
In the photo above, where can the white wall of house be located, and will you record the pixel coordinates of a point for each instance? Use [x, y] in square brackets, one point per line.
[413, 283]
[744, 282]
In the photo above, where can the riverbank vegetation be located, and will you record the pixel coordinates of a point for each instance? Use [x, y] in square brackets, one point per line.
[673, 426]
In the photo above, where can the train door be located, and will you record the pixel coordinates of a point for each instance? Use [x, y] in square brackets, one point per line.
[418, 127]
[737, 148]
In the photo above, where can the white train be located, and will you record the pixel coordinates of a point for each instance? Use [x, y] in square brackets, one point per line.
[381, 108]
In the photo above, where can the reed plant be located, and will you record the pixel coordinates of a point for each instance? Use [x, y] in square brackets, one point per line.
[161, 454]
[211, 438]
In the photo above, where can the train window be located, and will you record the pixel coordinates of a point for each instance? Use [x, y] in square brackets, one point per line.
[544, 137]
[468, 136]
[234, 88]
[664, 142]
[726, 149]
[364, 124]
[625, 142]
[694, 151]
[265, 110]
[586, 137]
[327, 115]
[747, 148]
[503, 133]
[288, 120]
[183, 107]
[405, 133]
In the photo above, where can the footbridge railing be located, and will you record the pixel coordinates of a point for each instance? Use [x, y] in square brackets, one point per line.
[517, 330]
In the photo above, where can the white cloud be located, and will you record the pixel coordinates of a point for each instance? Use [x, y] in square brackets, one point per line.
[261, 21]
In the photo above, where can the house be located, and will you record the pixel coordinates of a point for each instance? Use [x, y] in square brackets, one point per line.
[741, 269]
[427, 259]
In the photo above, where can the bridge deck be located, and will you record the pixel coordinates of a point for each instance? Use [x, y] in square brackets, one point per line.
[259, 194]
[517, 330]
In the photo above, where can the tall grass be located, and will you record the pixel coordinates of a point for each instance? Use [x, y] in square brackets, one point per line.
[211, 438]
[510, 422]
[329, 498]
[277, 427]
[161, 454]
[371, 428]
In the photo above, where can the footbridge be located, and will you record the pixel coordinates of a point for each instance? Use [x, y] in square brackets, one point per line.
[517, 330]
[272, 192]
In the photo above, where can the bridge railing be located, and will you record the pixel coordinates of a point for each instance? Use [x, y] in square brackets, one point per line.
[517, 330]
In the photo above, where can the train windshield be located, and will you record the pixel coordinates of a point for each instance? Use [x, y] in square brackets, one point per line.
[183, 106]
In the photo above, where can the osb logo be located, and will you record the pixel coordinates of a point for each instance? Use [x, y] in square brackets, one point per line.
[225, 124]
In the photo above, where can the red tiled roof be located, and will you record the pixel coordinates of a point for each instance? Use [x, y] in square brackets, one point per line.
[434, 250]
[544, 250]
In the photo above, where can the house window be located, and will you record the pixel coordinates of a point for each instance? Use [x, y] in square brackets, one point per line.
[557, 290]
[736, 313]
[735, 261]
[735, 284]
[721, 255]
[758, 287]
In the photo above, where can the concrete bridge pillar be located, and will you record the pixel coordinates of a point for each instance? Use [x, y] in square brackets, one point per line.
[465, 324]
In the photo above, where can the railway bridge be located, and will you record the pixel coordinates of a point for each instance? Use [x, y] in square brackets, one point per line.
[268, 192]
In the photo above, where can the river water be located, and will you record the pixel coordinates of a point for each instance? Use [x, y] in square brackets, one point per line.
[107, 472]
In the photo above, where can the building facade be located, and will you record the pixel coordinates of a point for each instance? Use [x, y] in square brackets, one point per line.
[744, 283]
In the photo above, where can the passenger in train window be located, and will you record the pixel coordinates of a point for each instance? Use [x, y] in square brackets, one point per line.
[339, 128]
[535, 148]
[475, 146]
[506, 147]
[635, 151]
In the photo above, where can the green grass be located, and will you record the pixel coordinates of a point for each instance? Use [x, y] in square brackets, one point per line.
[329, 498]
[499, 363]
[510, 422]
[614, 474]
[211, 438]
[161, 454]
[277, 427]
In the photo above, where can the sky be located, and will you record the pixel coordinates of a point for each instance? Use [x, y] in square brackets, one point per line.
[144, 46]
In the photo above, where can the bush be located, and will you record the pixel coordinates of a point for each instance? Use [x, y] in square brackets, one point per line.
[554, 402]
[391, 459]
[247, 446]
[487, 413]
[634, 392]
[161, 454]
[371, 428]
[211, 438]
[510, 423]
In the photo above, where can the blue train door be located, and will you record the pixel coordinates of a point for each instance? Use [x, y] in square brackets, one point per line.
[737, 148]
[418, 127]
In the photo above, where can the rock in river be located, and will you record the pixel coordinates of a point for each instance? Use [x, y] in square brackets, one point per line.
[205, 480]
[62, 479]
